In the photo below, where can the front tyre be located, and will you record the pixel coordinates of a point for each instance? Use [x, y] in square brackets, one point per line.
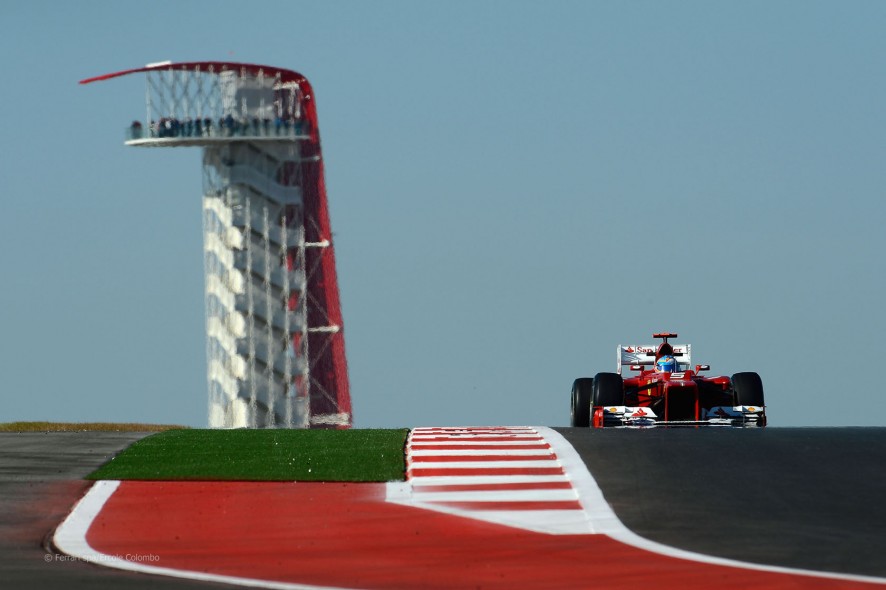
[747, 389]
[582, 392]
[609, 390]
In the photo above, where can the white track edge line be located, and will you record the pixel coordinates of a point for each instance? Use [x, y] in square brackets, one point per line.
[70, 538]
[605, 521]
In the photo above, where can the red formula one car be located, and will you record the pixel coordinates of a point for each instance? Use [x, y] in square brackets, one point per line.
[668, 390]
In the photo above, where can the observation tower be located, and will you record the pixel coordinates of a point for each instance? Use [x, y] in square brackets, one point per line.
[275, 346]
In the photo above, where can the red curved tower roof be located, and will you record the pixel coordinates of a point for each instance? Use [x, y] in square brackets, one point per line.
[286, 75]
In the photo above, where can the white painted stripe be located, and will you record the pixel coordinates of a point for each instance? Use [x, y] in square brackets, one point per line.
[428, 480]
[477, 433]
[70, 538]
[475, 429]
[480, 452]
[602, 519]
[530, 432]
[476, 437]
[416, 431]
[479, 465]
[473, 444]
[497, 496]
[556, 522]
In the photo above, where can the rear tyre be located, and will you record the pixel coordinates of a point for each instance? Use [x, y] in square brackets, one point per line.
[747, 389]
[582, 392]
[609, 390]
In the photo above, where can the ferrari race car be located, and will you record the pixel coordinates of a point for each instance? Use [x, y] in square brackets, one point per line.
[668, 390]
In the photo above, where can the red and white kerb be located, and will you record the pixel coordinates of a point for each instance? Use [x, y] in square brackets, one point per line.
[503, 475]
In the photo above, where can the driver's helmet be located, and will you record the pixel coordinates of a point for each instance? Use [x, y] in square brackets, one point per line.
[666, 364]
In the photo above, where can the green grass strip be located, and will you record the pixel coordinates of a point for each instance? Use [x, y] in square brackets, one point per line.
[262, 455]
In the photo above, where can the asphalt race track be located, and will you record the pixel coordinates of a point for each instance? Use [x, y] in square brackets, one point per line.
[40, 480]
[794, 497]
[810, 498]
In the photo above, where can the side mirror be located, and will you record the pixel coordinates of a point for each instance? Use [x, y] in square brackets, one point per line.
[699, 368]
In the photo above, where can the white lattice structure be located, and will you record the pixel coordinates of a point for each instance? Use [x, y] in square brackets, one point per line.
[275, 349]
[250, 329]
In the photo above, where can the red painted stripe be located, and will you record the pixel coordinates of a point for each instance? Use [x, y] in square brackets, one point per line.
[478, 447]
[494, 487]
[529, 505]
[481, 471]
[480, 458]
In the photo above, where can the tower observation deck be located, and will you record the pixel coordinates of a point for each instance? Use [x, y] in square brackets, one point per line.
[275, 346]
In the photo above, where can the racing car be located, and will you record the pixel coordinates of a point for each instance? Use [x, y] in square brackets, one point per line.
[668, 390]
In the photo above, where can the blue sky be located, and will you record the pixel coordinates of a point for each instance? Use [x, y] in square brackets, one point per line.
[515, 188]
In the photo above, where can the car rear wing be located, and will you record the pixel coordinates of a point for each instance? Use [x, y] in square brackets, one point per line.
[644, 355]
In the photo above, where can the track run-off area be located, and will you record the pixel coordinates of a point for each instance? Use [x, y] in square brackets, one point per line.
[518, 507]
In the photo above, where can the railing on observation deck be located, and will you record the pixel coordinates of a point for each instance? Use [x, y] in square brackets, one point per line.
[225, 128]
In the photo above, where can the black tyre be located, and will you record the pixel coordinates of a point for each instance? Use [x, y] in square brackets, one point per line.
[582, 392]
[609, 390]
[747, 389]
